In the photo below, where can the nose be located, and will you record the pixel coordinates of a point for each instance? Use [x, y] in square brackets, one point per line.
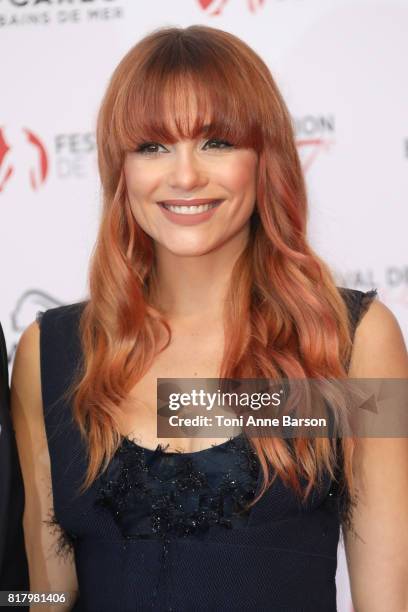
[186, 172]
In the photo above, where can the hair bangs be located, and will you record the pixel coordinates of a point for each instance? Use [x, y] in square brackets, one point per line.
[167, 105]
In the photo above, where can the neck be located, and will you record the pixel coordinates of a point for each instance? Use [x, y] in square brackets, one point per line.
[194, 288]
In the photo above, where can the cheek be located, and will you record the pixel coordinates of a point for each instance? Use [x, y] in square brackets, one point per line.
[241, 176]
[137, 188]
[139, 182]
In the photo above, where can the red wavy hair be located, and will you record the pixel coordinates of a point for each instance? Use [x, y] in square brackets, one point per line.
[284, 315]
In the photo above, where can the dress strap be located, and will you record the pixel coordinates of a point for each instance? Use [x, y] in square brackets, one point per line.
[357, 303]
[38, 317]
[60, 353]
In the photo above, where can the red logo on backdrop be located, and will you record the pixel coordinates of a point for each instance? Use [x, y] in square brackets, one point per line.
[310, 148]
[215, 7]
[22, 150]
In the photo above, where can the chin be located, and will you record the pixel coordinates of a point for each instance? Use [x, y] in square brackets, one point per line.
[189, 250]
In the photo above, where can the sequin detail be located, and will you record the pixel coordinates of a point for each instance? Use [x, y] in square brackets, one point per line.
[154, 494]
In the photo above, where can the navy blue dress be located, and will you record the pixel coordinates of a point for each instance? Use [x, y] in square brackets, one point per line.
[169, 531]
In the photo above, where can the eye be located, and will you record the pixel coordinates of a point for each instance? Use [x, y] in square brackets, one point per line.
[220, 144]
[148, 148]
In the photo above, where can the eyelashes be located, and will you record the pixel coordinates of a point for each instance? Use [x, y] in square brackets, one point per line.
[146, 148]
[224, 143]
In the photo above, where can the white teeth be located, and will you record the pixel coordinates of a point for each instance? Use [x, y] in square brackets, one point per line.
[190, 210]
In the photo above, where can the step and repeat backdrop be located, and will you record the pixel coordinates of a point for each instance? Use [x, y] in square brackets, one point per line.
[341, 66]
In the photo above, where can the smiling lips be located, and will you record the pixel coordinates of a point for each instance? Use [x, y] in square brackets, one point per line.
[196, 202]
[189, 207]
[189, 212]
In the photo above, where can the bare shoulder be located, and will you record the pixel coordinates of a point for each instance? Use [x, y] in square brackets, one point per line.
[26, 376]
[28, 348]
[379, 348]
[26, 400]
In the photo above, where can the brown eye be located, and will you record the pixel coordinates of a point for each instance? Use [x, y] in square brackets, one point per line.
[220, 144]
[148, 147]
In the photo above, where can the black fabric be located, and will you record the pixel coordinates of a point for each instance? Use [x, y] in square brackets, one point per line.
[166, 531]
[357, 304]
[13, 563]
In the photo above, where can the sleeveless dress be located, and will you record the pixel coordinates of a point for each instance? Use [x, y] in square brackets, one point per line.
[169, 531]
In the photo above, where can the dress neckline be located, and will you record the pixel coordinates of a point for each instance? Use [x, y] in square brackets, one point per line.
[161, 449]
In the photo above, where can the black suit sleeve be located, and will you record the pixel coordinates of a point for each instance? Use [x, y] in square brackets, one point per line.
[13, 563]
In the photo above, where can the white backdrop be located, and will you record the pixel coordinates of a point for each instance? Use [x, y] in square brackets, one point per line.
[341, 65]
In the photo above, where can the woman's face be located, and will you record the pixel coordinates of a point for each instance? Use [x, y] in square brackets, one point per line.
[160, 176]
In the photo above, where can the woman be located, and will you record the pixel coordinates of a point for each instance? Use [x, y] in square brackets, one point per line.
[202, 269]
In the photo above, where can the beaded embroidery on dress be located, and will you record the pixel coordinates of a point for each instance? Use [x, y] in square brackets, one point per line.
[156, 494]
